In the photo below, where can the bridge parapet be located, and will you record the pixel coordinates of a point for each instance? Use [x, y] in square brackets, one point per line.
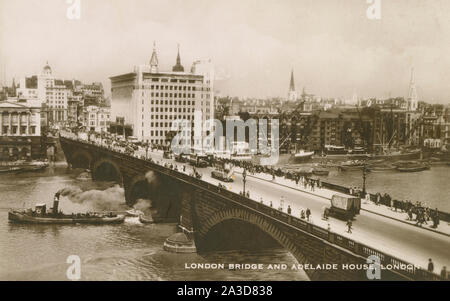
[308, 242]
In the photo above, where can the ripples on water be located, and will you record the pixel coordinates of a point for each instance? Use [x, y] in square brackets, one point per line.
[430, 187]
[130, 251]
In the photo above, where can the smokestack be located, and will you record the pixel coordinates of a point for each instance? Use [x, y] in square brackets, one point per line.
[55, 206]
[56, 203]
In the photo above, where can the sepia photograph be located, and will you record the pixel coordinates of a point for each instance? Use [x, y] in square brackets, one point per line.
[224, 140]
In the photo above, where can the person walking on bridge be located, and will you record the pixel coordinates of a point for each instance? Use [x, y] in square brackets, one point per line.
[430, 265]
[308, 214]
[444, 274]
[349, 226]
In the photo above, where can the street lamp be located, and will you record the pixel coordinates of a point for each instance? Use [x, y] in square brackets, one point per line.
[364, 178]
[146, 150]
[244, 175]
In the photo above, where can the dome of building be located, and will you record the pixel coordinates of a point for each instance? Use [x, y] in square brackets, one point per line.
[47, 69]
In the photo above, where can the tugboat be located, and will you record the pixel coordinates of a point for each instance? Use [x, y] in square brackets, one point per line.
[40, 216]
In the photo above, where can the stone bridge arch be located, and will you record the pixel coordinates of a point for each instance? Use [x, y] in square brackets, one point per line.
[106, 169]
[137, 188]
[81, 159]
[260, 222]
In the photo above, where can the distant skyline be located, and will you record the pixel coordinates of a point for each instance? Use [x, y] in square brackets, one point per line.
[331, 45]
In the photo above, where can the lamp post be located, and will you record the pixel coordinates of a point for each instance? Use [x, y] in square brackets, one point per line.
[244, 175]
[146, 150]
[364, 178]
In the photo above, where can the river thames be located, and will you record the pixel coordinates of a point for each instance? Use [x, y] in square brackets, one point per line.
[129, 251]
[430, 187]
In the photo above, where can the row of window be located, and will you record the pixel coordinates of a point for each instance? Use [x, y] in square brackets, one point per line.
[14, 130]
[174, 80]
[184, 110]
[180, 88]
[170, 117]
[170, 102]
[174, 95]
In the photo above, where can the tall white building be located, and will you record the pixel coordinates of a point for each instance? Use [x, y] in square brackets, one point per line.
[146, 101]
[48, 90]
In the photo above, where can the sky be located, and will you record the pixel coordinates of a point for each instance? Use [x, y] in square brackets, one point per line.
[333, 48]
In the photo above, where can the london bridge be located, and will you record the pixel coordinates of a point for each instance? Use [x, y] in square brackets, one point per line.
[207, 214]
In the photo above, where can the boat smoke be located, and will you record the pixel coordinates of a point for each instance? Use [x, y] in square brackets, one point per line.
[110, 199]
[143, 205]
[152, 179]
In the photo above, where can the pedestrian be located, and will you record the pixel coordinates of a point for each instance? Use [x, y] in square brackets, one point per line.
[410, 215]
[302, 214]
[430, 265]
[349, 226]
[308, 213]
[248, 194]
[444, 274]
[289, 209]
[271, 204]
[261, 200]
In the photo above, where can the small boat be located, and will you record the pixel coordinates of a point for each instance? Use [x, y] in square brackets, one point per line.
[159, 219]
[335, 150]
[40, 216]
[134, 212]
[320, 171]
[31, 168]
[398, 155]
[302, 156]
[381, 167]
[7, 169]
[146, 219]
[416, 168]
[23, 166]
[305, 171]
[411, 166]
[351, 165]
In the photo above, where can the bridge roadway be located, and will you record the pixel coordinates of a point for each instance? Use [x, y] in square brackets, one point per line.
[407, 242]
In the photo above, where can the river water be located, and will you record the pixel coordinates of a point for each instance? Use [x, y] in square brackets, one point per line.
[129, 251]
[431, 187]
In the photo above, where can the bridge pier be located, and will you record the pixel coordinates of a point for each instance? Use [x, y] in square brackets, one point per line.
[184, 241]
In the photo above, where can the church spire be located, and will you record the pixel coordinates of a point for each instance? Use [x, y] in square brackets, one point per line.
[292, 95]
[154, 60]
[413, 98]
[178, 67]
[292, 84]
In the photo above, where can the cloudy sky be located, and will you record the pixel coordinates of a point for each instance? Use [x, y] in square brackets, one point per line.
[331, 45]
